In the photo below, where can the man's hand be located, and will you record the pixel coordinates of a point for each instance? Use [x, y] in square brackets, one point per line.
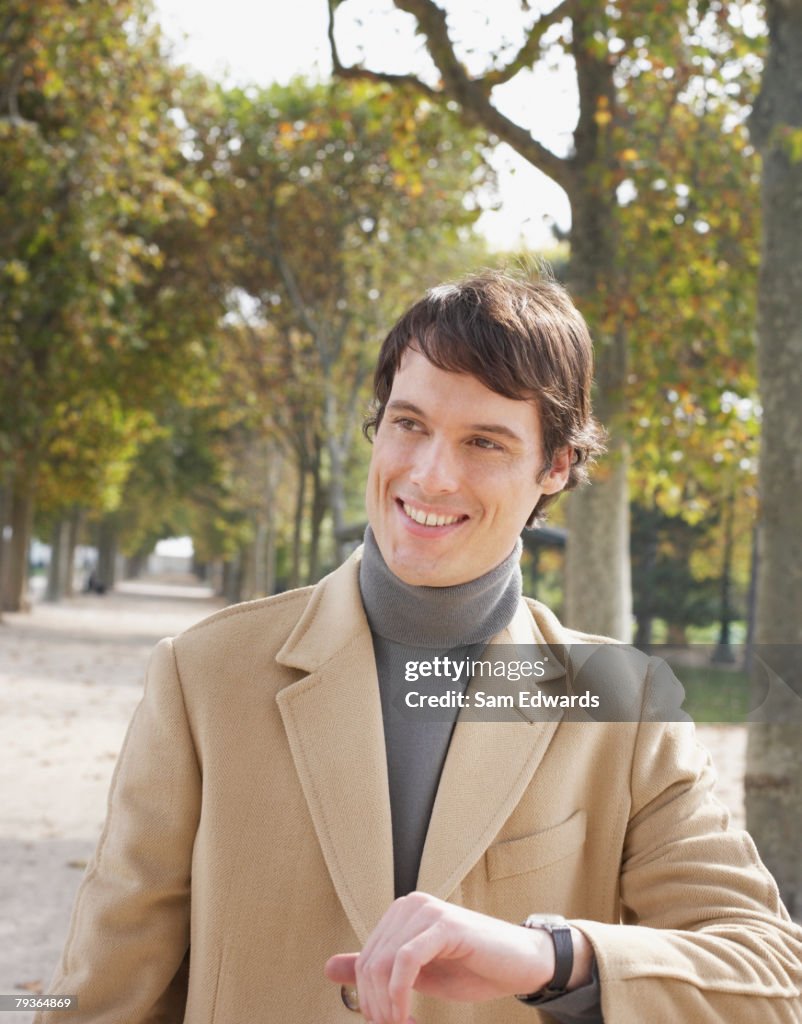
[448, 952]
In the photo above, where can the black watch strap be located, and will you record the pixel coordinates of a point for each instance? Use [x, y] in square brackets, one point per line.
[560, 932]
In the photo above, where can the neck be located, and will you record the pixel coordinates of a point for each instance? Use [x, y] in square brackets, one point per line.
[443, 617]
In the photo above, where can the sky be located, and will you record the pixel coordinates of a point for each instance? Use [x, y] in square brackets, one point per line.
[243, 41]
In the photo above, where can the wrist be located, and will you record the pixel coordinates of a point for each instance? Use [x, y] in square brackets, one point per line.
[563, 957]
[540, 970]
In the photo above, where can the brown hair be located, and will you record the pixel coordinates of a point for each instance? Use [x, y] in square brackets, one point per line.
[521, 338]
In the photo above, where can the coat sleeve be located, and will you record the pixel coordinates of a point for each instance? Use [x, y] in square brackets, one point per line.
[705, 936]
[125, 954]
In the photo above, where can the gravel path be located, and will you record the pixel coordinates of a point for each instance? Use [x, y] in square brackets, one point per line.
[70, 677]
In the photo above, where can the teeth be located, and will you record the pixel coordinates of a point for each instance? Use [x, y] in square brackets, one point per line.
[429, 518]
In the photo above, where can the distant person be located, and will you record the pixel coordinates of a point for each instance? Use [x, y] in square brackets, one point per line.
[274, 808]
[94, 585]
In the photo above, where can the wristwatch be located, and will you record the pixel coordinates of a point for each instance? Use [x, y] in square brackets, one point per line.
[560, 932]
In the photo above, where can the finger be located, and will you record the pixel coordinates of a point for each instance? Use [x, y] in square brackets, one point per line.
[410, 959]
[369, 985]
[341, 968]
[375, 963]
[365, 965]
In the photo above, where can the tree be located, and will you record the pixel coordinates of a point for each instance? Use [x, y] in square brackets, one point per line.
[774, 764]
[90, 188]
[340, 199]
[609, 45]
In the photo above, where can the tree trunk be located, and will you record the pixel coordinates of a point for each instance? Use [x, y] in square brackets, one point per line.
[643, 634]
[751, 603]
[59, 570]
[336, 490]
[232, 579]
[598, 589]
[73, 533]
[320, 505]
[647, 560]
[261, 531]
[106, 555]
[724, 654]
[135, 565]
[5, 536]
[216, 577]
[773, 782]
[297, 527]
[16, 578]
[271, 495]
[598, 595]
[247, 574]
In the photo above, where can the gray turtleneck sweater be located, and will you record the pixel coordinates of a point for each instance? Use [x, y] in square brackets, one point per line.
[411, 623]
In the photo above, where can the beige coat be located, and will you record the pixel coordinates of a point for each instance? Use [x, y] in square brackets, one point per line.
[249, 821]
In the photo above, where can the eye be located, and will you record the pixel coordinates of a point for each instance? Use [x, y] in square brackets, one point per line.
[405, 423]
[486, 444]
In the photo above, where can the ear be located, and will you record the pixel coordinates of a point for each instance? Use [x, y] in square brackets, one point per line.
[557, 476]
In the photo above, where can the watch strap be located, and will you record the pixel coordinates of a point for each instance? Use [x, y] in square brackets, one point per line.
[560, 932]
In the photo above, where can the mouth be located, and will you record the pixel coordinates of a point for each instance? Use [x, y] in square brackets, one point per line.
[432, 520]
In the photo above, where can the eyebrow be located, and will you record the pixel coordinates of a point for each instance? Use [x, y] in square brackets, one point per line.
[481, 428]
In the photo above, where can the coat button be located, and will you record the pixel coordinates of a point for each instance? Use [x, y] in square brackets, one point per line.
[350, 996]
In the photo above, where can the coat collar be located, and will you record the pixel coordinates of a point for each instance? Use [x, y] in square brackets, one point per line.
[333, 720]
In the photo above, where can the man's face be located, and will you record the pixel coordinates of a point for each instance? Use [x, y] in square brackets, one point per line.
[453, 474]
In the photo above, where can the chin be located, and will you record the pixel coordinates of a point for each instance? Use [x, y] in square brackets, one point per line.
[415, 575]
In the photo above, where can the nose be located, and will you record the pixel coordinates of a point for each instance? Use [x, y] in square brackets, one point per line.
[435, 469]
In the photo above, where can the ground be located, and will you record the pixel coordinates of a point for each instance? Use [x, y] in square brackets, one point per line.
[70, 677]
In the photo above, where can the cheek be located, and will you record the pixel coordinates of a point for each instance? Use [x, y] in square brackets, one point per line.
[377, 479]
[512, 496]
[388, 458]
[503, 478]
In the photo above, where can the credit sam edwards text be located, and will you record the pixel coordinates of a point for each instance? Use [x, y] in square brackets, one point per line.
[482, 699]
[455, 670]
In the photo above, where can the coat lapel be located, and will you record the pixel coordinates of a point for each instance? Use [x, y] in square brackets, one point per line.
[488, 767]
[333, 721]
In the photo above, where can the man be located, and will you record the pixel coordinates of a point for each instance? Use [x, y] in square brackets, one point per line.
[275, 804]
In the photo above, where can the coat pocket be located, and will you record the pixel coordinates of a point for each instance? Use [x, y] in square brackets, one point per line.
[517, 856]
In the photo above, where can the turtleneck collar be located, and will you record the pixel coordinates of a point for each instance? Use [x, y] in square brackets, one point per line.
[441, 617]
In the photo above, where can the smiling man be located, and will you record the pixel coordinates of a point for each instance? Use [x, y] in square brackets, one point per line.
[278, 807]
[455, 472]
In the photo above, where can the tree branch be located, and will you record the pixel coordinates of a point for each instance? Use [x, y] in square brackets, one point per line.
[528, 52]
[357, 71]
[335, 56]
[472, 96]
[289, 280]
[457, 85]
